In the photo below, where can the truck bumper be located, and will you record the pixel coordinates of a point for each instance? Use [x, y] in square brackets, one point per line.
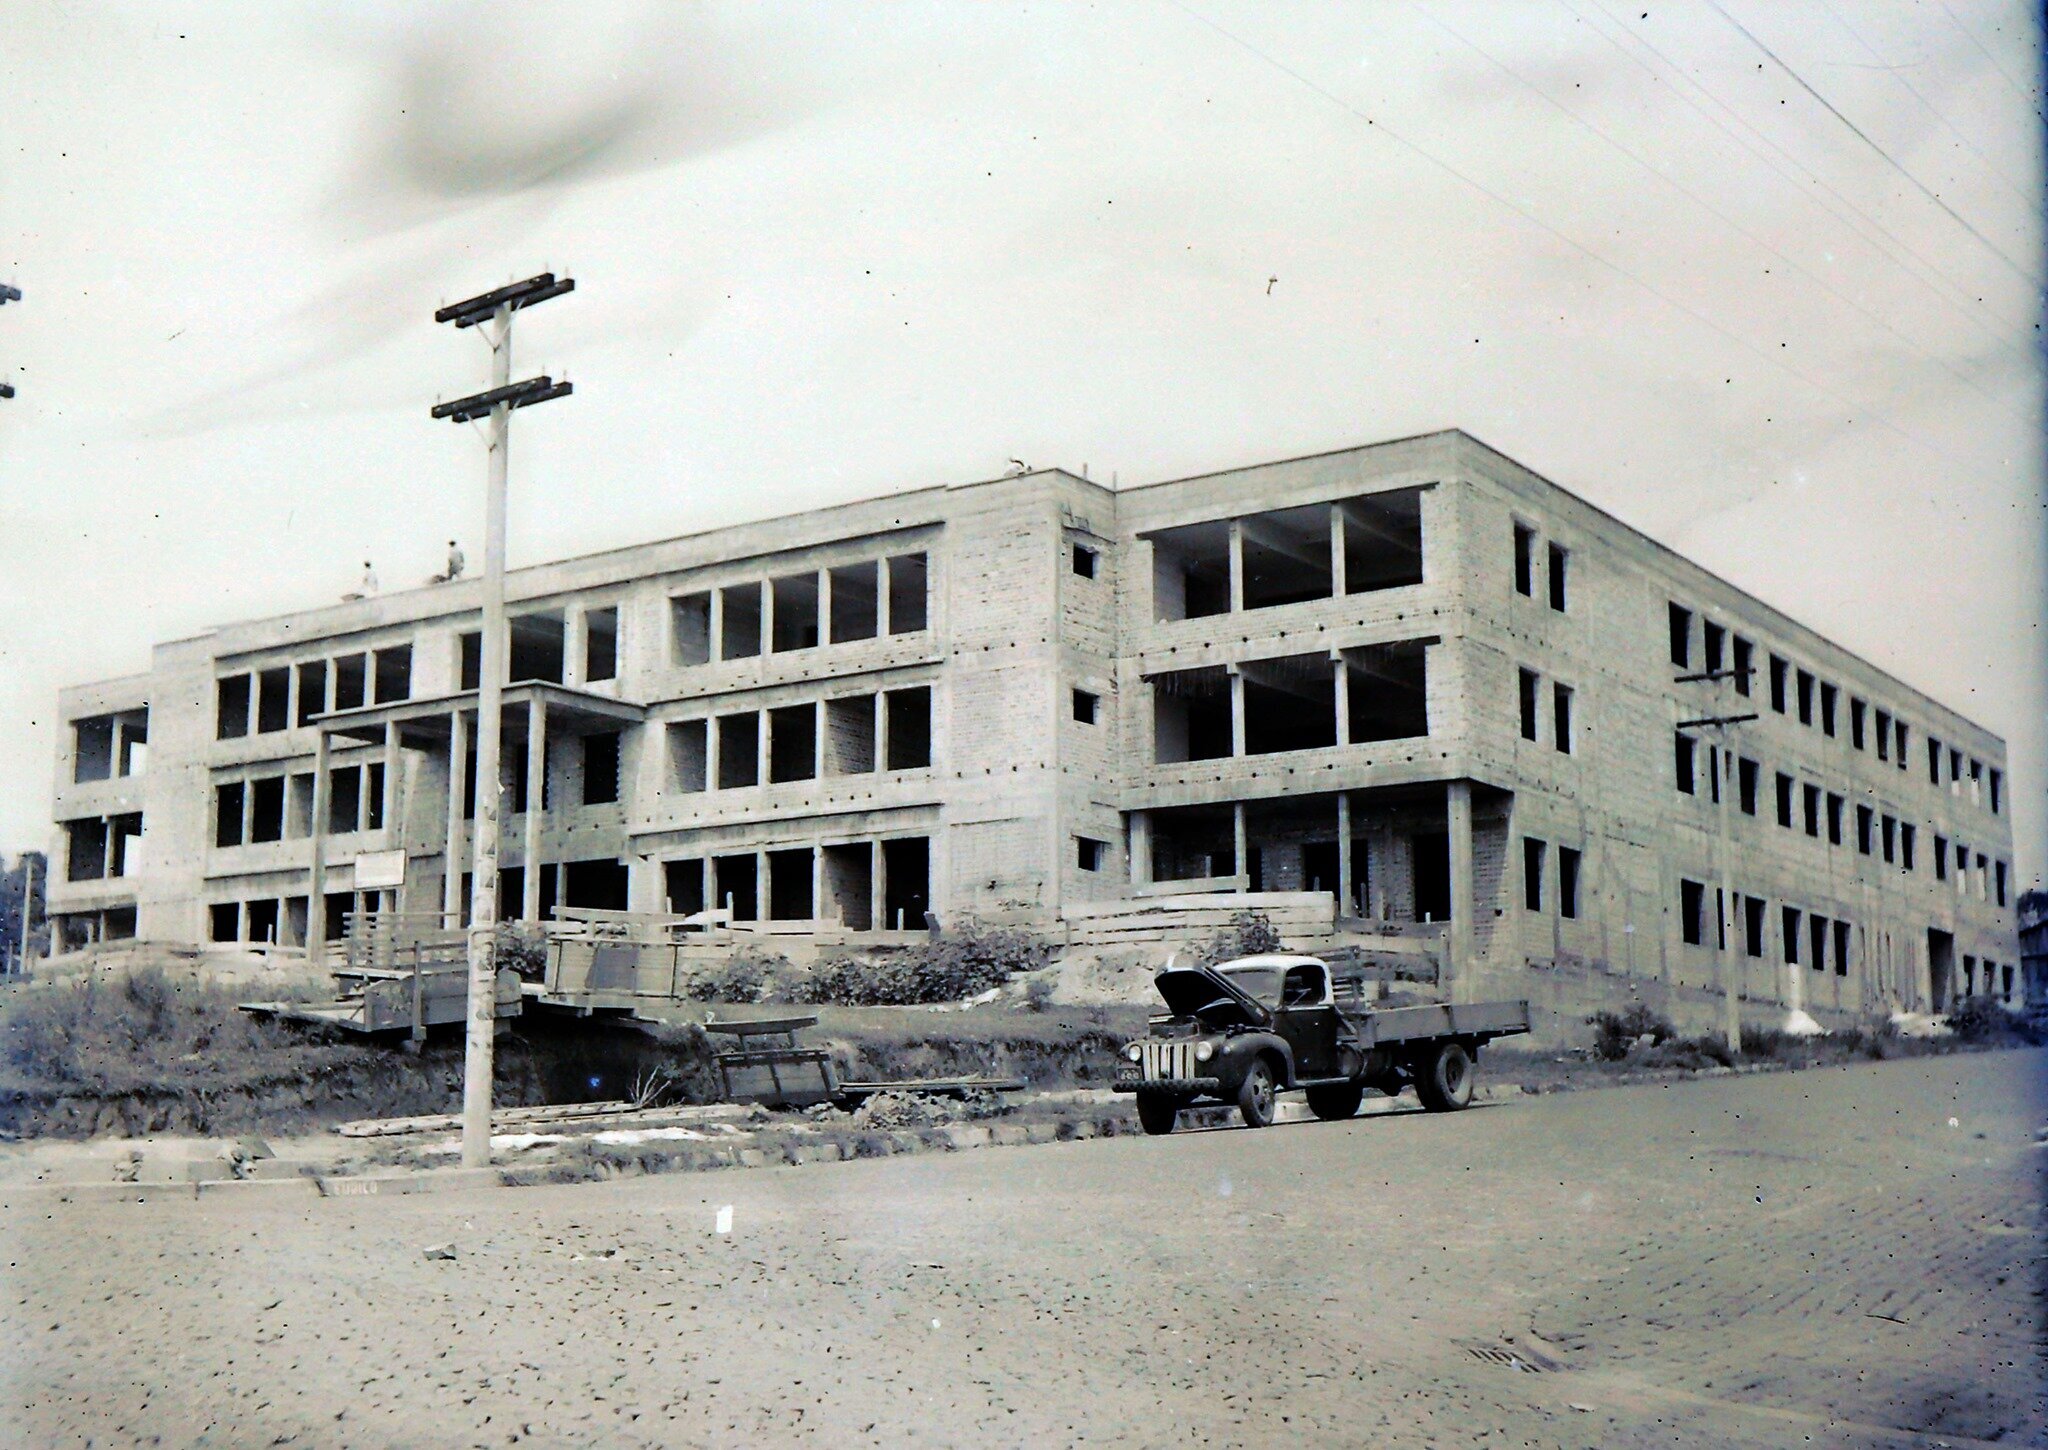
[1180, 1087]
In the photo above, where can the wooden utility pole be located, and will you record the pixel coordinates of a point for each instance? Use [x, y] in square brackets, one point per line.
[496, 404]
[1725, 777]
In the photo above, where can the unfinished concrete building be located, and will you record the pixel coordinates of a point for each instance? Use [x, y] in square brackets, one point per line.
[1414, 676]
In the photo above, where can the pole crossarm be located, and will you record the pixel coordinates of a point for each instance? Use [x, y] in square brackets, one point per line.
[1707, 720]
[513, 395]
[1730, 674]
[519, 294]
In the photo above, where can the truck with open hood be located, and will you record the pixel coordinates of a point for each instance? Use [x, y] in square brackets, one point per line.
[1243, 1031]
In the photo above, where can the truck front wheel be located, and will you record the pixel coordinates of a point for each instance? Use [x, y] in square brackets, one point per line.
[1334, 1102]
[1156, 1114]
[1255, 1096]
[1443, 1078]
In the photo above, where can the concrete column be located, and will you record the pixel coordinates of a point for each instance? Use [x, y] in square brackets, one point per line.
[881, 732]
[575, 656]
[316, 888]
[458, 768]
[1236, 566]
[714, 650]
[1345, 905]
[765, 724]
[1341, 674]
[881, 609]
[1380, 852]
[818, 740]
[1239, 844]
[710, 879]
[248, 808]
[1338, 582]
[767, 616]
[1458, 935]
[1236, 710]
[536, 796]
[643, 884]
[394, 764]
[817, 883]
[710, 761]
[1141, 848]
[291, 719]
[761, 884]
[824, 608]
[875, 883]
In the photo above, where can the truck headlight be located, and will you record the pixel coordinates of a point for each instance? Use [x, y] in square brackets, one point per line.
[1133, 1052]
[1204, 1051]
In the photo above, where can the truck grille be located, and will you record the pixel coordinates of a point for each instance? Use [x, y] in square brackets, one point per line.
[1168, 1059]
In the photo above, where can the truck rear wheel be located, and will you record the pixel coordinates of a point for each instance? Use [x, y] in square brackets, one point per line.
[1255, 1097]
[1334, 1102]
[1443, 1078]
[1156, 1114]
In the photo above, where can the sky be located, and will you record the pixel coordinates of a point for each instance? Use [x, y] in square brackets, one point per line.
[1760, 277]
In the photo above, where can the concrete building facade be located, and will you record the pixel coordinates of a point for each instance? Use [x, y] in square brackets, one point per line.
[1414, 675]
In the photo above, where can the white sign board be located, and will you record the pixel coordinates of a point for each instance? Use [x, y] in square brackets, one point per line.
[380, 869]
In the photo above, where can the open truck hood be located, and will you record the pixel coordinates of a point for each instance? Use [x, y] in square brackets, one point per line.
[1210, 998]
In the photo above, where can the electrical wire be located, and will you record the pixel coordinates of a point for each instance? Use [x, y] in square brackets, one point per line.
[2018, 271]
[2003, 74]
[1731, 223]
[1914, 265]
[1877, 416]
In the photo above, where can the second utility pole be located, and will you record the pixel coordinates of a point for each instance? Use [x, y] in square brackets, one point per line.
[494, 653]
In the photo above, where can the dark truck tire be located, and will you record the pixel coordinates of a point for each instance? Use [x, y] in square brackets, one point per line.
[1256, 1095]
[1334, 1102]
[1157, 1115]
[1444, 1077]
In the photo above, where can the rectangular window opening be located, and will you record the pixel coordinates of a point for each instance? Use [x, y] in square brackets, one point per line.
[909, 590]
[856, 602]
[1567, 883]
[1561, 718]
[910, 728]
[850, 735]
[274, 700]
[1681, 636]
[1685, 756]
[1089, 853]
[1692, 912]
[1084, 561]
[1559, 562]
[1191, 715]
[1287, 557]
[601, 644]
[231, 710]
[689, 631]
[739, 610]
[1533, 852]
[1531, 703]
[394, 674]
[792, 743]
[739, 750]
[688, 757]
[601, 768]
[1746, 773]
[1086, 705]
[1525, 561]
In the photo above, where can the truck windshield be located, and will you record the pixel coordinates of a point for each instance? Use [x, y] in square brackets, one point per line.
[1262, 984]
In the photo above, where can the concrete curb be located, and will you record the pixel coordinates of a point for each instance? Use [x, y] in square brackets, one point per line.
[431, 1180]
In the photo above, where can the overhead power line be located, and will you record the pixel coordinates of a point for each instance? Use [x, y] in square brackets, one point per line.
[1899, 252]
[1737, 227]
[1875, 415]
[1797, 79]
[2003, 73]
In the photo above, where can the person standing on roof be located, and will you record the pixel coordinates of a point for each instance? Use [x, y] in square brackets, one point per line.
[365, 589]
[456, 563]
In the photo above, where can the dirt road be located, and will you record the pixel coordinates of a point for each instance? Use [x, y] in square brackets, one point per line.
[1816, 1258]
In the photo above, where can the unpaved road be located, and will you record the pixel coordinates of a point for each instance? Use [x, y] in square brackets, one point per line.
[1816, 1258]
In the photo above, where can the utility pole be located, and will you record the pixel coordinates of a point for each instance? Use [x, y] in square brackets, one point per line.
[1724, 774]
[28, 898]
[8, 294]
[496, 404]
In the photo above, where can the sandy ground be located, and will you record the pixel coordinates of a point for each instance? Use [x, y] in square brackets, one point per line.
[1818, 1258]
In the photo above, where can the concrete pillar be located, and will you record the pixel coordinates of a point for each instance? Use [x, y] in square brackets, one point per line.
[291, 719]
[643, 884]
[394, 764]
[1345, 905]
[824, 610]
[1242, 855]
[248, 808]
[762, 881]
[1379, 854]
[818, 740]
[536, 797]
[875, 883]
[1236, 566]
[1458, 935]
[458, 768]
[316, 887]
[881, 608]
[764, 723]
[1236, 710]
[715, 649]
[710, 761]
[881, 732]
[767, 616]
[817, 883]
[1141, 848]
[709, 876]
[1341, 676]
[1338, 583]
[575, 655]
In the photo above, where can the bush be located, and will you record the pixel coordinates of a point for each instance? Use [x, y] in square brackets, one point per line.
[961, 965]
[1249, 934]
[741, 977]
[143, 1027]
[1615, 1033]
[523, 949]
[1983, 1019]
[1038, 992]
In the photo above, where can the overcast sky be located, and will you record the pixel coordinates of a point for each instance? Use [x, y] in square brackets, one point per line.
[1762, 278]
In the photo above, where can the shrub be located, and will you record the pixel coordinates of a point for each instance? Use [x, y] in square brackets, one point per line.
[1983, 1019]
[1617, 1032]
[145, 1026]
[1038, 992]
[523, 949]
[1248, 934]
[741, 977]
[963, 964]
